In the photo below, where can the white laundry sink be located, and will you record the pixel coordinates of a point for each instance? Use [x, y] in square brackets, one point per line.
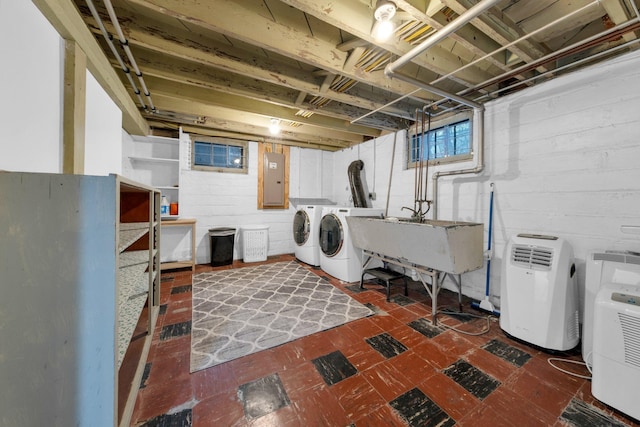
[450, 246]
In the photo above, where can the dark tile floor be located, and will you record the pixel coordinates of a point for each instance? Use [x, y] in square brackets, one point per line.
[391, 369]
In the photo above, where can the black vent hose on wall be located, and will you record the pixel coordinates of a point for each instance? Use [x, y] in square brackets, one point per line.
[358, 190]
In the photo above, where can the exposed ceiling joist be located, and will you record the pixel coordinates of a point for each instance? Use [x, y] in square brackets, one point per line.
[227, 67]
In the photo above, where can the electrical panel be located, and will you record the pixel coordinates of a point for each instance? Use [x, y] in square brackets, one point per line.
[273, 194]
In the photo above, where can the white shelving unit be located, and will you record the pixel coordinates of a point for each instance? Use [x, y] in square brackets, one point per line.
[155, 161]
[80, 257]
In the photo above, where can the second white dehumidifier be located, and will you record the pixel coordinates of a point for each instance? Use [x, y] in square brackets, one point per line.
[539, 301]
[616, 347]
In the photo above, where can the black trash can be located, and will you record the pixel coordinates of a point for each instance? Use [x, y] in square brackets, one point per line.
[222, 245]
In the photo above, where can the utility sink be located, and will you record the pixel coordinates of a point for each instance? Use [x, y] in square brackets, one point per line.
[450, 246]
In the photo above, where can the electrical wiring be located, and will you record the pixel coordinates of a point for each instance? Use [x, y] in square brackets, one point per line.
[446, 310]
[575, 362]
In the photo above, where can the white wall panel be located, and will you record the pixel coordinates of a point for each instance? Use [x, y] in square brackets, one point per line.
[30, 100]
[103, 132]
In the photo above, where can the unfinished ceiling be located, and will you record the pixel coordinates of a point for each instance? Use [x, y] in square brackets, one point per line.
[227, 68]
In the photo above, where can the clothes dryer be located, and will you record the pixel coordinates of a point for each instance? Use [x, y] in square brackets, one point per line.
[338, 256]
[306, 234]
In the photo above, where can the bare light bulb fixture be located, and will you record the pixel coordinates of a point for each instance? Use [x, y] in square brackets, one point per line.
[383, 28]
[274, 127]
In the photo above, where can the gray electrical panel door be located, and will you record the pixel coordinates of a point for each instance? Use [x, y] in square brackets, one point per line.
[273, 179]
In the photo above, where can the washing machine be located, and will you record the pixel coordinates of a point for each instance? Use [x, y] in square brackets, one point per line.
[338, 256]
[306, 233]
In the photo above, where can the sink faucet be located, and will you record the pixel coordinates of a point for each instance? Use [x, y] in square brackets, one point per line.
[415, 215]
[418, 215]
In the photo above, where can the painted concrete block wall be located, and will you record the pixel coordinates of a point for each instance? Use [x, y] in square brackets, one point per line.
[31, 101]
[564, 159]
[230, 199]
[307, 173]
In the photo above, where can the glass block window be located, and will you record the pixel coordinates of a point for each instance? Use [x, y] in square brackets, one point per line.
[452, 142]
[220, 155]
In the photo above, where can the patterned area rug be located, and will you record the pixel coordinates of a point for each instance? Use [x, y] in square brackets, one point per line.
[241, 311]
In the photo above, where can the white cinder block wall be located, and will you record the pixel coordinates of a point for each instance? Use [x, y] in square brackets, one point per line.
[564, 157]
[230, 199]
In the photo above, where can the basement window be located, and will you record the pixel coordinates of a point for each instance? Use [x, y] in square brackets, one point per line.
[219, 154]
[448, 141]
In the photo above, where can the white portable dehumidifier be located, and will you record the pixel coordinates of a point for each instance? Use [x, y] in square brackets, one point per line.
[539, 292]
[616, 347]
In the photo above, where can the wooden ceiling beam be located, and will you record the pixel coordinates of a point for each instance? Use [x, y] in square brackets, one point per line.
[272, 94]
[154, 64]
[616, 11]
[238, 121]
[201, 130]
[329, 127]
[468, 36]
[226, 66]
[357, 19]
[64, 17]
[269, 35]
[502, 30]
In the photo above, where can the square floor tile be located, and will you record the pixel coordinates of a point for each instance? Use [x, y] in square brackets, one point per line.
[418, 410]
[507, 352]
[578, 413]
[334, 367]
[355, 288]
[375, 309]
[179, 419]
[180, 289]
[401, 300]
[386, 345]
[263, 396]
[425, 327]
[145, 375]
[472, 379]
[175, 330]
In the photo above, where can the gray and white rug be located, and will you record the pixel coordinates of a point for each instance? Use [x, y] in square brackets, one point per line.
[241, 311]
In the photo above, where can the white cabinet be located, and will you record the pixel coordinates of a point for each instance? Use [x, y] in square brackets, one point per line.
[79, 269]
[155, 161]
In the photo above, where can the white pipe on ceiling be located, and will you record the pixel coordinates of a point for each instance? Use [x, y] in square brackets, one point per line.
[564, 67]
[518, 40]
[109, 39]
[556, 54]
[125, 45]
[459, 22]
[538, 61]
[441, 34]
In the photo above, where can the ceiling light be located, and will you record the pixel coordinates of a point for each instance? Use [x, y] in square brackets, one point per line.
[383, 27]
[385, 10]
[274, 127]
[382, 30]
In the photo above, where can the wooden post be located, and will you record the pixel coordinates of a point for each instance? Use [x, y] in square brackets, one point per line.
[73, 127]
